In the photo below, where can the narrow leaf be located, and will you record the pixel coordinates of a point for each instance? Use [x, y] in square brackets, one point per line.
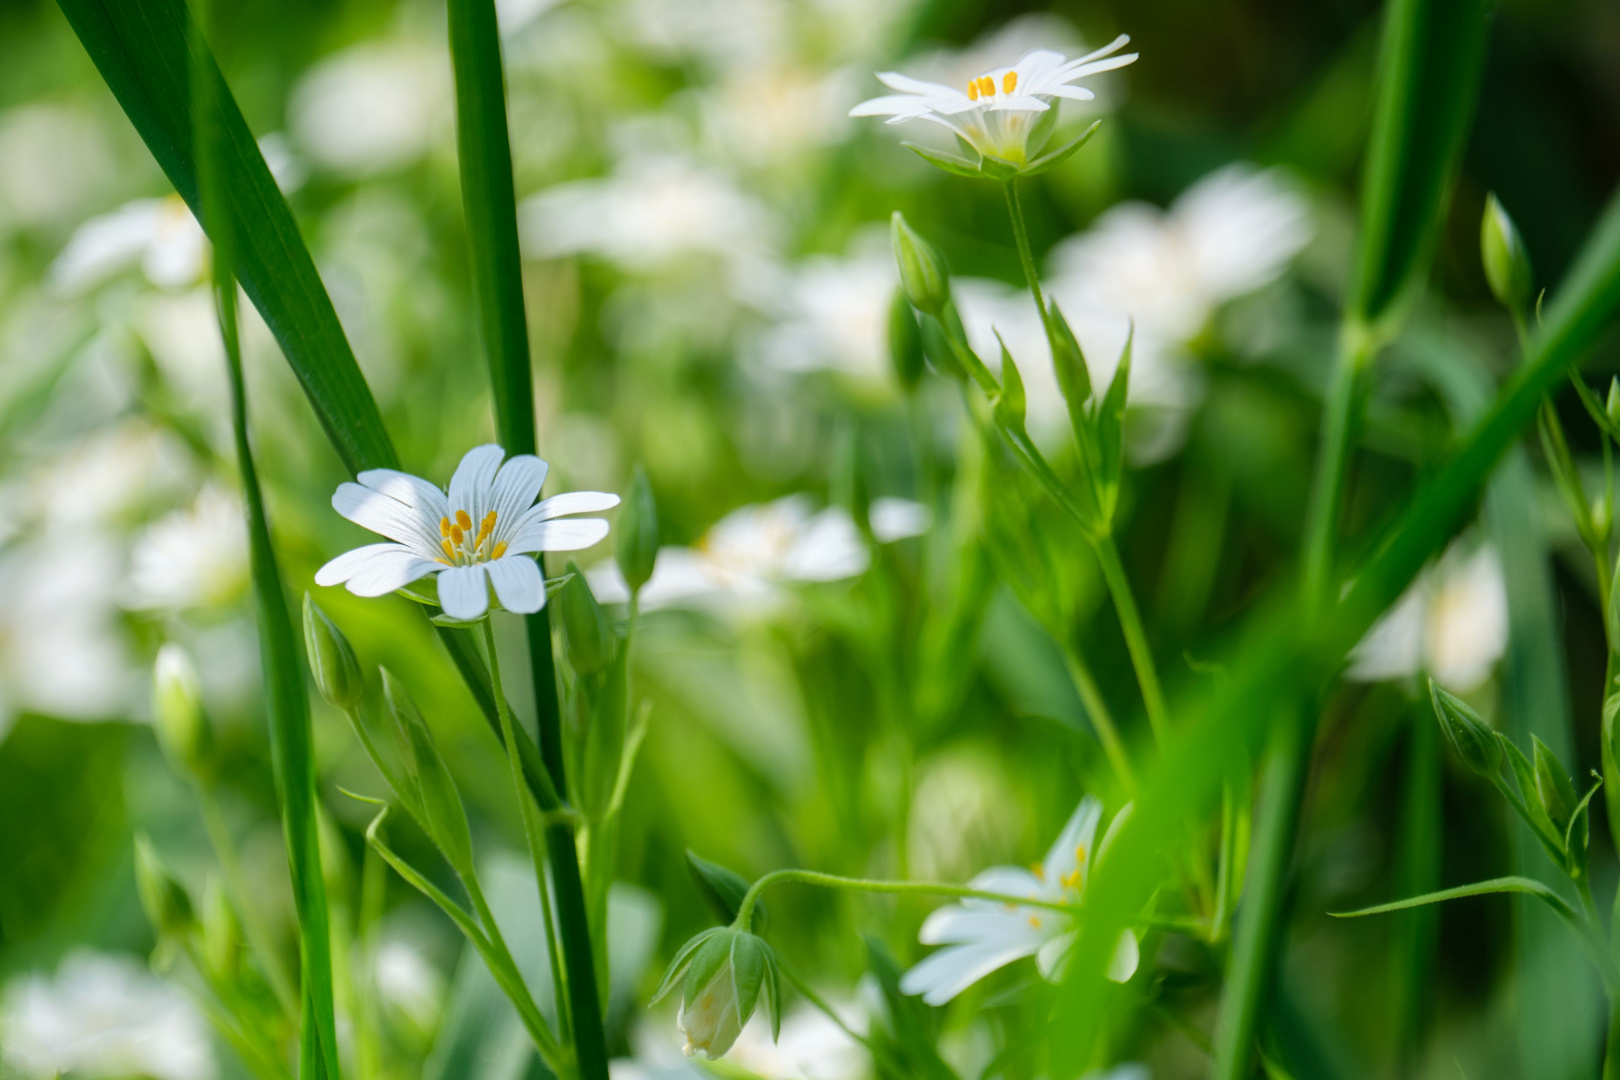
[1063, 153]
[952, 164]
[1527, 886]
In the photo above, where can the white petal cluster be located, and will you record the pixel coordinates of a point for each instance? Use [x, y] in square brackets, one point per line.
[834, 315]
[193, 558]
[476, 536]
[159, 235]
[1451, 624]
[102, 1016]
[997, 111]
[982, 936]
[372, 108]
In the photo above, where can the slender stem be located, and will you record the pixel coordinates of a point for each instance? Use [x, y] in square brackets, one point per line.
[506, 972]
[1085, 684]
[1130, 621]
[924, 888]
[258, 934]
[1339, 420]
[533, 831]
[373, 890]
[1015, 210]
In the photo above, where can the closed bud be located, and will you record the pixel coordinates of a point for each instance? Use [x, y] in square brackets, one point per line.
[726, 972]
[1073, 377]
[1611, 407]
[586, 632]
[221, 933]
[905, 342]
[637, 532]
[1501, 248]
[1010, 402]
[165, 902]
[446, 816]
[922, 271]
[1469, 735]
[1553, 788]
[331, 660]
[178, 715]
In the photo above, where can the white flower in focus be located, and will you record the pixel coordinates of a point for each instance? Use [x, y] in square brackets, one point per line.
[102, 1016]
[983, 935]
[1000, 108]
[652, 211]
[1452, 624]
[475, 537]
[372, 108]
[750, 553]
[159, 235]
[193, 558]
[1229, 234]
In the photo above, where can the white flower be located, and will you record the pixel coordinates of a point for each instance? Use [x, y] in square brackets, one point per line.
[984, 935]
[192, 558]
[999, 108]
[476, 536]
[752, 551]
[102, 1016]
[809, 1047]
[836, 315]
[159, 235]
[1229, 234]
[408, 984]
[1452, 624]
[653, 210]
[372, 108]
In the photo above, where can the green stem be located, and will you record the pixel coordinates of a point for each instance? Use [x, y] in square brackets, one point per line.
[258, 935]
[900, 888]
[1611, 1051]
[1339, 420]
[1015, 210]
[1085, 684]
[1130, 621]
[533, 832]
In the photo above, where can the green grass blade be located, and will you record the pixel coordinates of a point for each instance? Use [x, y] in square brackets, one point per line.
[140, 48]
[491, 211]
[1284, 652]
[1524, 885]
[1433, 51]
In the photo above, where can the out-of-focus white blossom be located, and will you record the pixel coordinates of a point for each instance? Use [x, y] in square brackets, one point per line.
[102, 1016]
[810, 1046]
[835, 315]
[106, 477]
[1451, 624]
[373, 107]
[772, 114]
[515, 16]
[52, 159]
[193, 558]
[653, 211]
[409, 985]
[159, 235]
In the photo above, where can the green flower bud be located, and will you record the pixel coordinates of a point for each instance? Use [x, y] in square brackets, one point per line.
[1553, 789]
[1469, 735]
[1501, 249]
[905, 342]
[726, 971]
[165, 902]
[922, 272]
[441, 803]
[221, 933]
[331, 660]
[1010, 403]
[587, 634]
[637, 532]
[178, 717]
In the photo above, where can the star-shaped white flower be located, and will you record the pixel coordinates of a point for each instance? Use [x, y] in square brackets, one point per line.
[984, 935]
[999, 109]
[477, 535]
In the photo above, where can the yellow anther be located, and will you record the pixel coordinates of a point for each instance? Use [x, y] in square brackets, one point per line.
[1080, 854]
[464, 520]
[987, 86]
[449, 552]
[1009, 82]
[500, 549]
[444, 526]
[1035, 921]
[973, 89]
[456, 535]
[1071, 880]
[485, 527]
[1038, 870]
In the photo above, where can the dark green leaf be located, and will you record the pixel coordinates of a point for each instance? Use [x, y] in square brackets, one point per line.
[723, 890]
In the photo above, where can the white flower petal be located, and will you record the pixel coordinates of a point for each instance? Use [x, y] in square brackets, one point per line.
[346, 565]
[389, 517]
[569, 535]
[1012, 880]
[463, 593]
[518, 584]
[830, 549]
[385, 572]
[907, 85]
[572, 502]
[413, 491]
[1078, 833]
[1073, 93]
[906, 105]
[470, 486]
[1127, 955]
[948, 972]
[961, 925]
[516, 487]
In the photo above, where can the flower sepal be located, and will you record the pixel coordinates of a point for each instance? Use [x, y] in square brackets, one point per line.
[956, 166]
[1063, 153]
[724, 972]
[991, 167]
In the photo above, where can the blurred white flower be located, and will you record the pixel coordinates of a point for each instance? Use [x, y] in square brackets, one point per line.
[472, 538]
[652, 211]
[752, 551]
[102, 1016]
[107, 476]
[984, 935]
[1452, 624]
[159, 235]
[193, 558]
[409, 985]
[810, 1046]
[720, 33]
[373, 107]
[52, 160]
[514, 16]
[771, 114]
[999, 108]
[286, 168]
[1229, 234]
[835, 315]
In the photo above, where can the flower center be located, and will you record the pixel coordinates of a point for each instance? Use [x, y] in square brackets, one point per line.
[985, 85]
[462, 546]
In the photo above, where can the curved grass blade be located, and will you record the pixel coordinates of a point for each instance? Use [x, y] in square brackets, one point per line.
[1512, 884]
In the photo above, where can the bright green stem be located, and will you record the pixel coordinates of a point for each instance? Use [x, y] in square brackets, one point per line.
[1339, 420]
[1085, 684]
[1259, 920]
[902, 888]
[1130, 621]
[258, 935]
[1015, 210]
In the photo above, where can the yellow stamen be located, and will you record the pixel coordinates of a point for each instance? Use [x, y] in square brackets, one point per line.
[444, 526]
[1009, 82]
[449, 552]
[1080, 854]
[1071, 880]
[486, 527]
[464, 520]
[1038, 870]
[456, 535]
[973, 89]
[987, 86]
[500, 549]
[1035, 921]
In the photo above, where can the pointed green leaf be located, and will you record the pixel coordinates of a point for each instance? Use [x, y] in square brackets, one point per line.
[723, 890]
[1047, 162]
[1527, 886]
[1010, 402]
[952, 164]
